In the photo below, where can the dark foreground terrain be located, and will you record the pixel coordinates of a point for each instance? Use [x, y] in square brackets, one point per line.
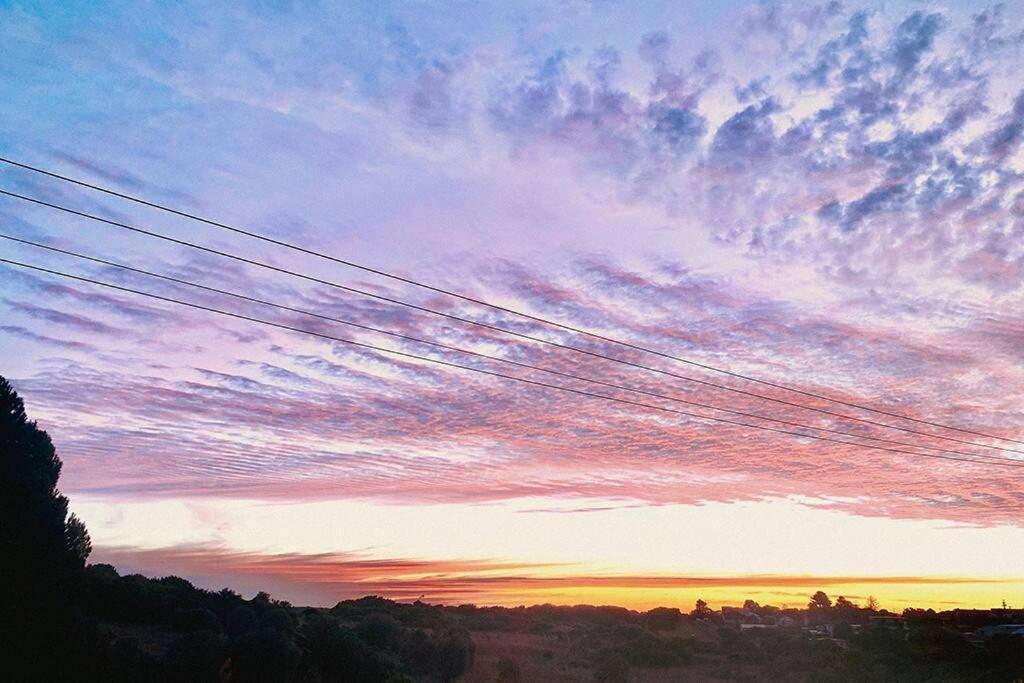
[168, 630]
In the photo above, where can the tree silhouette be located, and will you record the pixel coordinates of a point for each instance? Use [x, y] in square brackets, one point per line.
[701, 610]
[36, 526]
[44, 549]
[819, 601]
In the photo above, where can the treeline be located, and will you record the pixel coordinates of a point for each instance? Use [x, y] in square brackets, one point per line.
[168, 630]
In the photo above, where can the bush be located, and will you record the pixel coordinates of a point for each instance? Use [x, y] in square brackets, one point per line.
[240, 620]
[508, 671]
[612, 669]
[935, 643]
[663, 618]
[455, 652]
[279, 619]
[380, 630]
[648, 651]
[264, 655]
[198, 619]
[197, 657]
[337, 654]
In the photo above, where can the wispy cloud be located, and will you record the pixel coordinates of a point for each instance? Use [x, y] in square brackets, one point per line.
[824, 196]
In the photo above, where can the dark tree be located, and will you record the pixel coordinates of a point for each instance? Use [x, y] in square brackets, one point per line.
[819, 601]
[701, 610]
[36, 526]
[77, 540]
[844, 604]
[43, 548]
[264, 654]
[381, 631]
[455, 655]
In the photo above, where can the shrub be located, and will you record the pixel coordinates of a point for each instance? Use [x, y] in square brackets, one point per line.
[380, 631]
[612, 669]
[455, 652]
[198, 619]
[197, 657]
[264, 655]
[508, 671]
[663, 618]
[337, 654]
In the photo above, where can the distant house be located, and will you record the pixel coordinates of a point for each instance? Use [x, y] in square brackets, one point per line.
[1001, 629]
[1008, 614]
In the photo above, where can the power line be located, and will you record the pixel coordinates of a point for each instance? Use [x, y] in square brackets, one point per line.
[497, 307]
[404, 354]
[490, 357]
[495, 328]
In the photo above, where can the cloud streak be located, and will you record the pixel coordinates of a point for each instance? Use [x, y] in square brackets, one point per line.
[333, 577]
[827, 197]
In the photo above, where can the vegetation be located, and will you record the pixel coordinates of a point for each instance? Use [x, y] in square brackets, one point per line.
[44, 549]
[65, 621]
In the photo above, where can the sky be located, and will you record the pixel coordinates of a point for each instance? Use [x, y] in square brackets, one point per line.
[824, 196]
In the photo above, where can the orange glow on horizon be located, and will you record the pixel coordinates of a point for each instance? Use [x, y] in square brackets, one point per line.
[328, 578]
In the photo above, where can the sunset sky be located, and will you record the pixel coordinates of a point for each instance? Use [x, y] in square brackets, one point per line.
[826, 196]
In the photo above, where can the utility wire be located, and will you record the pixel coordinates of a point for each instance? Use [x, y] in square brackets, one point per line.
[496, 328]
[490, 357]
[497, 307]
[491, 373]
